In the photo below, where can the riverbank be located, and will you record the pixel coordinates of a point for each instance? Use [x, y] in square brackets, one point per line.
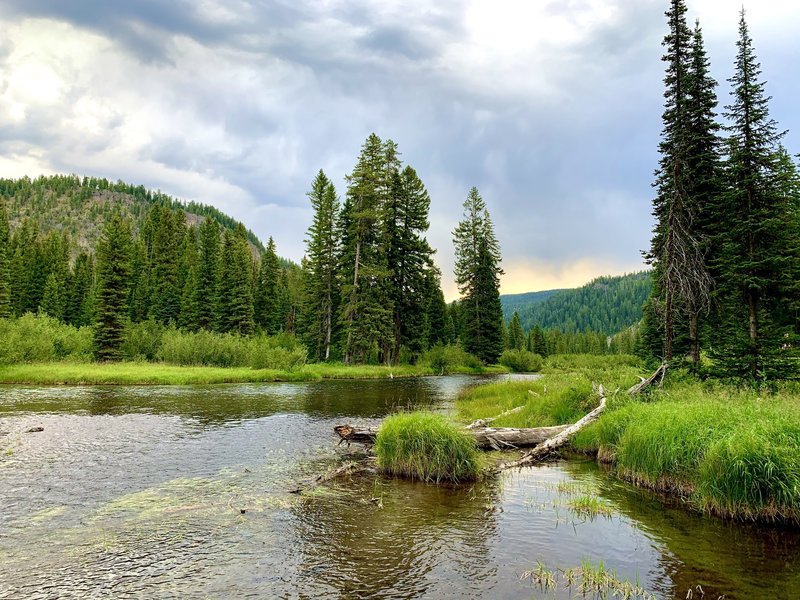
[146, 373]
[722, 450]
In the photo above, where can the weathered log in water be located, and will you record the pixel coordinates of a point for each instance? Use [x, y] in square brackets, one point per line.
[487, 438]
[543, 450]
[351, 467]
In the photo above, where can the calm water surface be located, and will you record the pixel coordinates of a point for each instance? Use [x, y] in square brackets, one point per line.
[139, 492]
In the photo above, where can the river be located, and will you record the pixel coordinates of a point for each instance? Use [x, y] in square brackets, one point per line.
[183, 492]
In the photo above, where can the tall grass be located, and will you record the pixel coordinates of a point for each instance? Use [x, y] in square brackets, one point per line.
[728, 451]
[521, 361]
[426, 446]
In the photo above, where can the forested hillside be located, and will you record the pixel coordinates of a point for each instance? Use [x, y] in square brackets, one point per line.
[82, 206]
[605, 305]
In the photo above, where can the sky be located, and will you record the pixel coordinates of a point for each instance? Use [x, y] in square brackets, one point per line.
[552, 109]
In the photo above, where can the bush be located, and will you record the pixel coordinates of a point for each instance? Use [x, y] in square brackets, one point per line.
[442, 359]
[428, 447]
[521, 361]
[39, 338]
[282, 352]
[143, 340]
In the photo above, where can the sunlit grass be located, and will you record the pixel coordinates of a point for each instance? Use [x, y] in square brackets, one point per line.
[426, 446]
[147, 373]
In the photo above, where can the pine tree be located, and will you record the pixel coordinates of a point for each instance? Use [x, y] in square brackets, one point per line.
[409, 257]
[168, 234]
[538, 344]
[208, 269]
[268, 310]
[516, 336]
[477, 274]
[439, 324]
[5, 275]
[366, 309]
[79, 304]
[320, 301]
[234, 308]
[757, 258]
[681, 279]
[113, 270]
[188, 282]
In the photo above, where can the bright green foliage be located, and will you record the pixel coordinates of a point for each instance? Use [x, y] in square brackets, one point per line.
[234, 309]
[521, 361]
[758, 257]
[269, 305]
[113, 272]
[207, 270]
[730, 452]
[5, 239]
[428, 447]
[320, 302]
[367, 330]
[477, 274]
[410, 258]
[40, 338]
[516, 337]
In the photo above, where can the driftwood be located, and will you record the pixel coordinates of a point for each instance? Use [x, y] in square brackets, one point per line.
[487, 438]
[645, 383]
[543, 450]
[485, 422]
[351, 467]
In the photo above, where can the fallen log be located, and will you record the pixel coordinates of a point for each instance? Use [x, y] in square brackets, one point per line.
[645, 383]
[485, 422]
[349, 468]
[543, 450]
[487, 438]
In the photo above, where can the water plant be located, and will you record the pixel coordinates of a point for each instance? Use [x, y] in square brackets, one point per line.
[426, 446]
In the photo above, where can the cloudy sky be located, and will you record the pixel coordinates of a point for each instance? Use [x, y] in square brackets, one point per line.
[551, 108]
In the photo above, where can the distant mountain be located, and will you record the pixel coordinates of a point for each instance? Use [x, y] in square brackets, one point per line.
[82, 205]
[606, 305]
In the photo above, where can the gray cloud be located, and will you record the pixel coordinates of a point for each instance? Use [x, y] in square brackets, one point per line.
[240, 103]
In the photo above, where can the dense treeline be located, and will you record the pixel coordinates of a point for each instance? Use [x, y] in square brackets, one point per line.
[605, 305]
[726, 245]
[82, 206]
[368, 290]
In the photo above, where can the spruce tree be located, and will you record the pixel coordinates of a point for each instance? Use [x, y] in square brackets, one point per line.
[477, 272]
[113, 270]
[188, 282]
[757, 258]
[208, 268]
[365, 316]
[409, 257]
[516, 336]
[79, 305]
[5, 284]
[168, 235]
[681, 279]
[268, 310]
[234, 307]
[320, 302]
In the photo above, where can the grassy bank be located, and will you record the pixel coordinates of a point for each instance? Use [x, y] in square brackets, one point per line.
[723, 450]
[144, 373]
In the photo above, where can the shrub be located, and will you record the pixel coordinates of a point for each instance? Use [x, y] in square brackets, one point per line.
[143, 340]
[39, 338]
[521, 361]
[426, 446]
[442, 359]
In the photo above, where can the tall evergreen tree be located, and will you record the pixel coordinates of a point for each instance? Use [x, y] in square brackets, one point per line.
[320, 302]
[757, 259]
[516, 336]
[188, 282]
[207, 271]
[5, 275]
[409, 257]
[676, 253]
[168, 235]
[268, 310]
[234, 292]
[113, 271]
[366, 310]
[79, 311]
[477, 272]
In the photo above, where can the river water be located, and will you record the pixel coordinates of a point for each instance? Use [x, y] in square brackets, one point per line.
[183, 492]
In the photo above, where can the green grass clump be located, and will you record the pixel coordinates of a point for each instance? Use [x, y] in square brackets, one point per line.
[727, 450]
[426, 446]
[521, 361]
